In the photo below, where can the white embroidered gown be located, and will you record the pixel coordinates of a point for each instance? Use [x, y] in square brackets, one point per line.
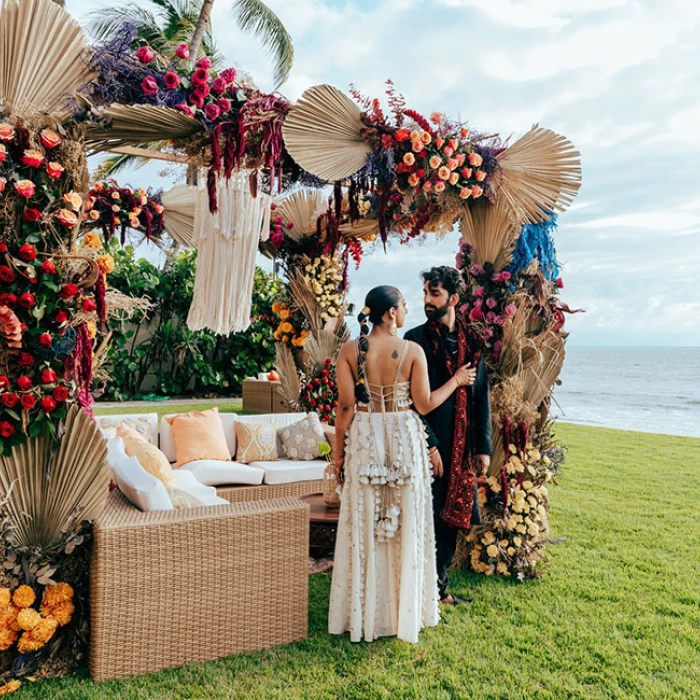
[384, 572]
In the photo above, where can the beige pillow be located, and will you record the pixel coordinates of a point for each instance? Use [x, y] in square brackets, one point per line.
[199, 435]
[148, 455]
[300, 440]
[256, 442]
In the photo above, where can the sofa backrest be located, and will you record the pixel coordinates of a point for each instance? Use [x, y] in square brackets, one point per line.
[144, 423]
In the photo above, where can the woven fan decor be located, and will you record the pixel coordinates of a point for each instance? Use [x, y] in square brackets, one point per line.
[301, 208]
[323, 133]
[180, 204]
[136, 124]
[540, 173]
[41, 57]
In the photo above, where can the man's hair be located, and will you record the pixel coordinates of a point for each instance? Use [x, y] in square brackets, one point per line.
[447, 277]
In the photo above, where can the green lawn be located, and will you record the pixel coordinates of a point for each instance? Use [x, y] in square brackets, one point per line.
[617, 616]
[163, 407]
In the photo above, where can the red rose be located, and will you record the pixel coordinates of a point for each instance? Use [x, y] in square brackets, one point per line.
[48, 376]
[6, 274]
[200, 77]
[144, 54]
[45, 340]
[26, 301]
[218, 85]
[60, 393]
[202, 91]
[171, 80]
[182, 51]
[224, 105]
[204, 62]
[48, 268]
[10, 400]
[25, 188]
[27, 252]
[49, 138]
[24, 383]
[329, 362]
[32, 158]
[8, 300]
[32, 216]
[25, 359]
[47, 405]
[54, 170]
[61, 316]
[3, 247]
[149, 86]
[559, 282]
[4, 382]
[3, 157]
[23, 327]
[67, 291]
[28, 402]
[211, 111]
[89, 305]
[6, 429]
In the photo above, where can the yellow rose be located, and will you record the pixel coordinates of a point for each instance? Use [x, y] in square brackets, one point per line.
[409, 158]
[417, 146]
[426, 138]
[503, 543]
[444, 173]
[413, 180]
[488, 538]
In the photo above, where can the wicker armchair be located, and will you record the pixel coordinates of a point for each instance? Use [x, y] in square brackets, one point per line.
[173, 587]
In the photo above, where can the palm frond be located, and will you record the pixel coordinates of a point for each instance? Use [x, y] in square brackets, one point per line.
[321, 346]
[303, 298]
[257, 17]
[114, 164]
[104, 23]
[290, 383]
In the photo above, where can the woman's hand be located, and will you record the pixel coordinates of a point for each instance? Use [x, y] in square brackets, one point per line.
[338, 469]
[465, 375]
[436, 461]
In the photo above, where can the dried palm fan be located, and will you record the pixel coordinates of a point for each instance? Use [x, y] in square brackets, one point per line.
[304, 299]
[41, 57]
[48, 486]
[180, 204]
[300, 208]
[134, 124]
[323, 133]
[490, 230]
[321, 346]
[539, 379]
[540, 173]
[360, 229]
[290, 383]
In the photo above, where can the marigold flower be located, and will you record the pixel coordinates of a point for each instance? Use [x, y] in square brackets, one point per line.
[24, 596]
[5, 597]
[106, 263]
[10, 686]
[28, 619]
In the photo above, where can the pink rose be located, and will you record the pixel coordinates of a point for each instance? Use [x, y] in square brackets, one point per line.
[498, 346]
[480, 175]
[505, 276]
[171, 80]
[436, 118]
[144, 54]
[476, 270]
[218, 85]
[200, 77]
[478, 303]
[487, 334]
[464, 308]
[149, 86]
[196, 100]
[224, 105]
[182, 107]
[229, 75]
[510, 310]
[499, 321]
[211, 111]
[202, 90]
[475, 159]
[490, 317]
[182, 51]
[479, 292]
[475, 314]
[204, 62]
[25, 188]
[491, 303]
[477, 191]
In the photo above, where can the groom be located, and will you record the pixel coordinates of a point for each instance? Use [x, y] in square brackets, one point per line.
[459, 431]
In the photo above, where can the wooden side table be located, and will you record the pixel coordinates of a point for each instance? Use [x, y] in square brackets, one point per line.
[323, 526]
[263, 396]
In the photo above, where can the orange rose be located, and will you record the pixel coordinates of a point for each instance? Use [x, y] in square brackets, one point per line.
[32, 158]
[115, 195]
[159, 208]
[477, 191]
[439, 141]
[7, 132]
[475, 159]
[448, 151]
[54, 170]
[402, 135]
[439, 187]
[427, 186]
[465, 193]
[460, 159]
[409, 159]
[454, 178]
[453, 143]
[464, 133]
[134, 223]
[73, 200]
[415, 135]
[444, 173]
[480, 175]
[94, 215]
[436, 118]
[452, 163]
[435, 162]
[413, 180]
[49, 138]
[115, 208]
[66, 217]
[426, 138]
[416, 146]
[25, 188]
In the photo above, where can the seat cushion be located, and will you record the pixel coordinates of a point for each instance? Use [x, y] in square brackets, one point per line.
[300, 440]
[187, 482]
[115, 452]
[198, 435]
[285, 471]
[144, 423]
[149, 456]
[143, 489]
[217, 473]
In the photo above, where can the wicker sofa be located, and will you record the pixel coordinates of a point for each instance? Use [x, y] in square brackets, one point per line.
[179, 586]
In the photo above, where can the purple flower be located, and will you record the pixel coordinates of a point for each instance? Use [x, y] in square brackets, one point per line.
[144, 54]
[475, 314]
[487, 334]
[458, 261]
[491, 303]
[500, 320]
[149, 86]
[171, 80]
[211, 111]
[498, 346]
[476, 270]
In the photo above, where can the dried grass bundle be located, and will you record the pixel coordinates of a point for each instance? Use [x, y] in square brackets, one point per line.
[490, 230]
[539, 379]
[302, 297]
[290, 382]
[41, 57]
[540, 173]
[323, 133]
[507, 401]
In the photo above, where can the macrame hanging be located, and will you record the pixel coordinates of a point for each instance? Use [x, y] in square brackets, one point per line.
[226, 243]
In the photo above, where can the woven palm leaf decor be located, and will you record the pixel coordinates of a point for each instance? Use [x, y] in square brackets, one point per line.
[301, 208]
[180, 204]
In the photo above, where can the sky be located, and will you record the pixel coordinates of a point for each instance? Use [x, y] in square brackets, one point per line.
[619, 78]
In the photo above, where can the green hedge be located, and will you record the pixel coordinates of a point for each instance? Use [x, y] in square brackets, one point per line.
[162, 348]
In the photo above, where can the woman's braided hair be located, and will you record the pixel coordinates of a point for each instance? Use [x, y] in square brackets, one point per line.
[377, 302]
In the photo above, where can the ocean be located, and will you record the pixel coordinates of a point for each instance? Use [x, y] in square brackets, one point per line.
[654, 390]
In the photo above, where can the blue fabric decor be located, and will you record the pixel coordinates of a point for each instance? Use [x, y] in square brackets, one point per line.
[536, 242]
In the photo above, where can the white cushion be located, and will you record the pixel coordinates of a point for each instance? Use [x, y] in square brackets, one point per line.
[212, 472]
[187, 482]
[145, 491]
[144, 423]
[285, 471]
[279, 420]
[167, 441]
[115, 452]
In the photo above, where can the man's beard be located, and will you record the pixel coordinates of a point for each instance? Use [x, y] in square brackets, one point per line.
[435, 313]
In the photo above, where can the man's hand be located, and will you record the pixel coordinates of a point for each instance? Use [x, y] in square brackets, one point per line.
[436, 461]
[483, 462]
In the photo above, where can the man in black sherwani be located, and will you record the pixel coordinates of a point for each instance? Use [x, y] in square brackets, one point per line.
[459, 431]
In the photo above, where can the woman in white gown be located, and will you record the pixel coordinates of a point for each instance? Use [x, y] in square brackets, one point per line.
[384, 574]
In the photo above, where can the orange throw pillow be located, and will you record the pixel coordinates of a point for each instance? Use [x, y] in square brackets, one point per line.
[199, 435]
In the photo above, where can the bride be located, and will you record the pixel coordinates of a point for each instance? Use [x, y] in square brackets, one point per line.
[384, 574]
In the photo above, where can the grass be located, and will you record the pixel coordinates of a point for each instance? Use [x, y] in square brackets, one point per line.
[617, 615]
[163, 407]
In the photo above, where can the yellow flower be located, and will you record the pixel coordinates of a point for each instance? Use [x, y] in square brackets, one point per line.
[73, 200]
[284, 314]
[492, 550]
[57, 593]
[7, 639]
[28, 619]
[92, 240]
[488, 538]
[10, 686]
[511, 551]
[91, 329]
[36, 638]
[521, 529]
[503, 543]
[527, 485]
[511, 523]
[517, 541]
[106, 263]
[62, 613]
[435, 162]
[5, 596]
[23, 597]
[532, 529]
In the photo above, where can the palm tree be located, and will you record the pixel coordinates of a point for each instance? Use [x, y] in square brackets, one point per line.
[256, 16]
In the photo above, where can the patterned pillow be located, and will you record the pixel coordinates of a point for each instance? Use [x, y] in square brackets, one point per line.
[300, 440]
[142, 424]
[255, 442]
